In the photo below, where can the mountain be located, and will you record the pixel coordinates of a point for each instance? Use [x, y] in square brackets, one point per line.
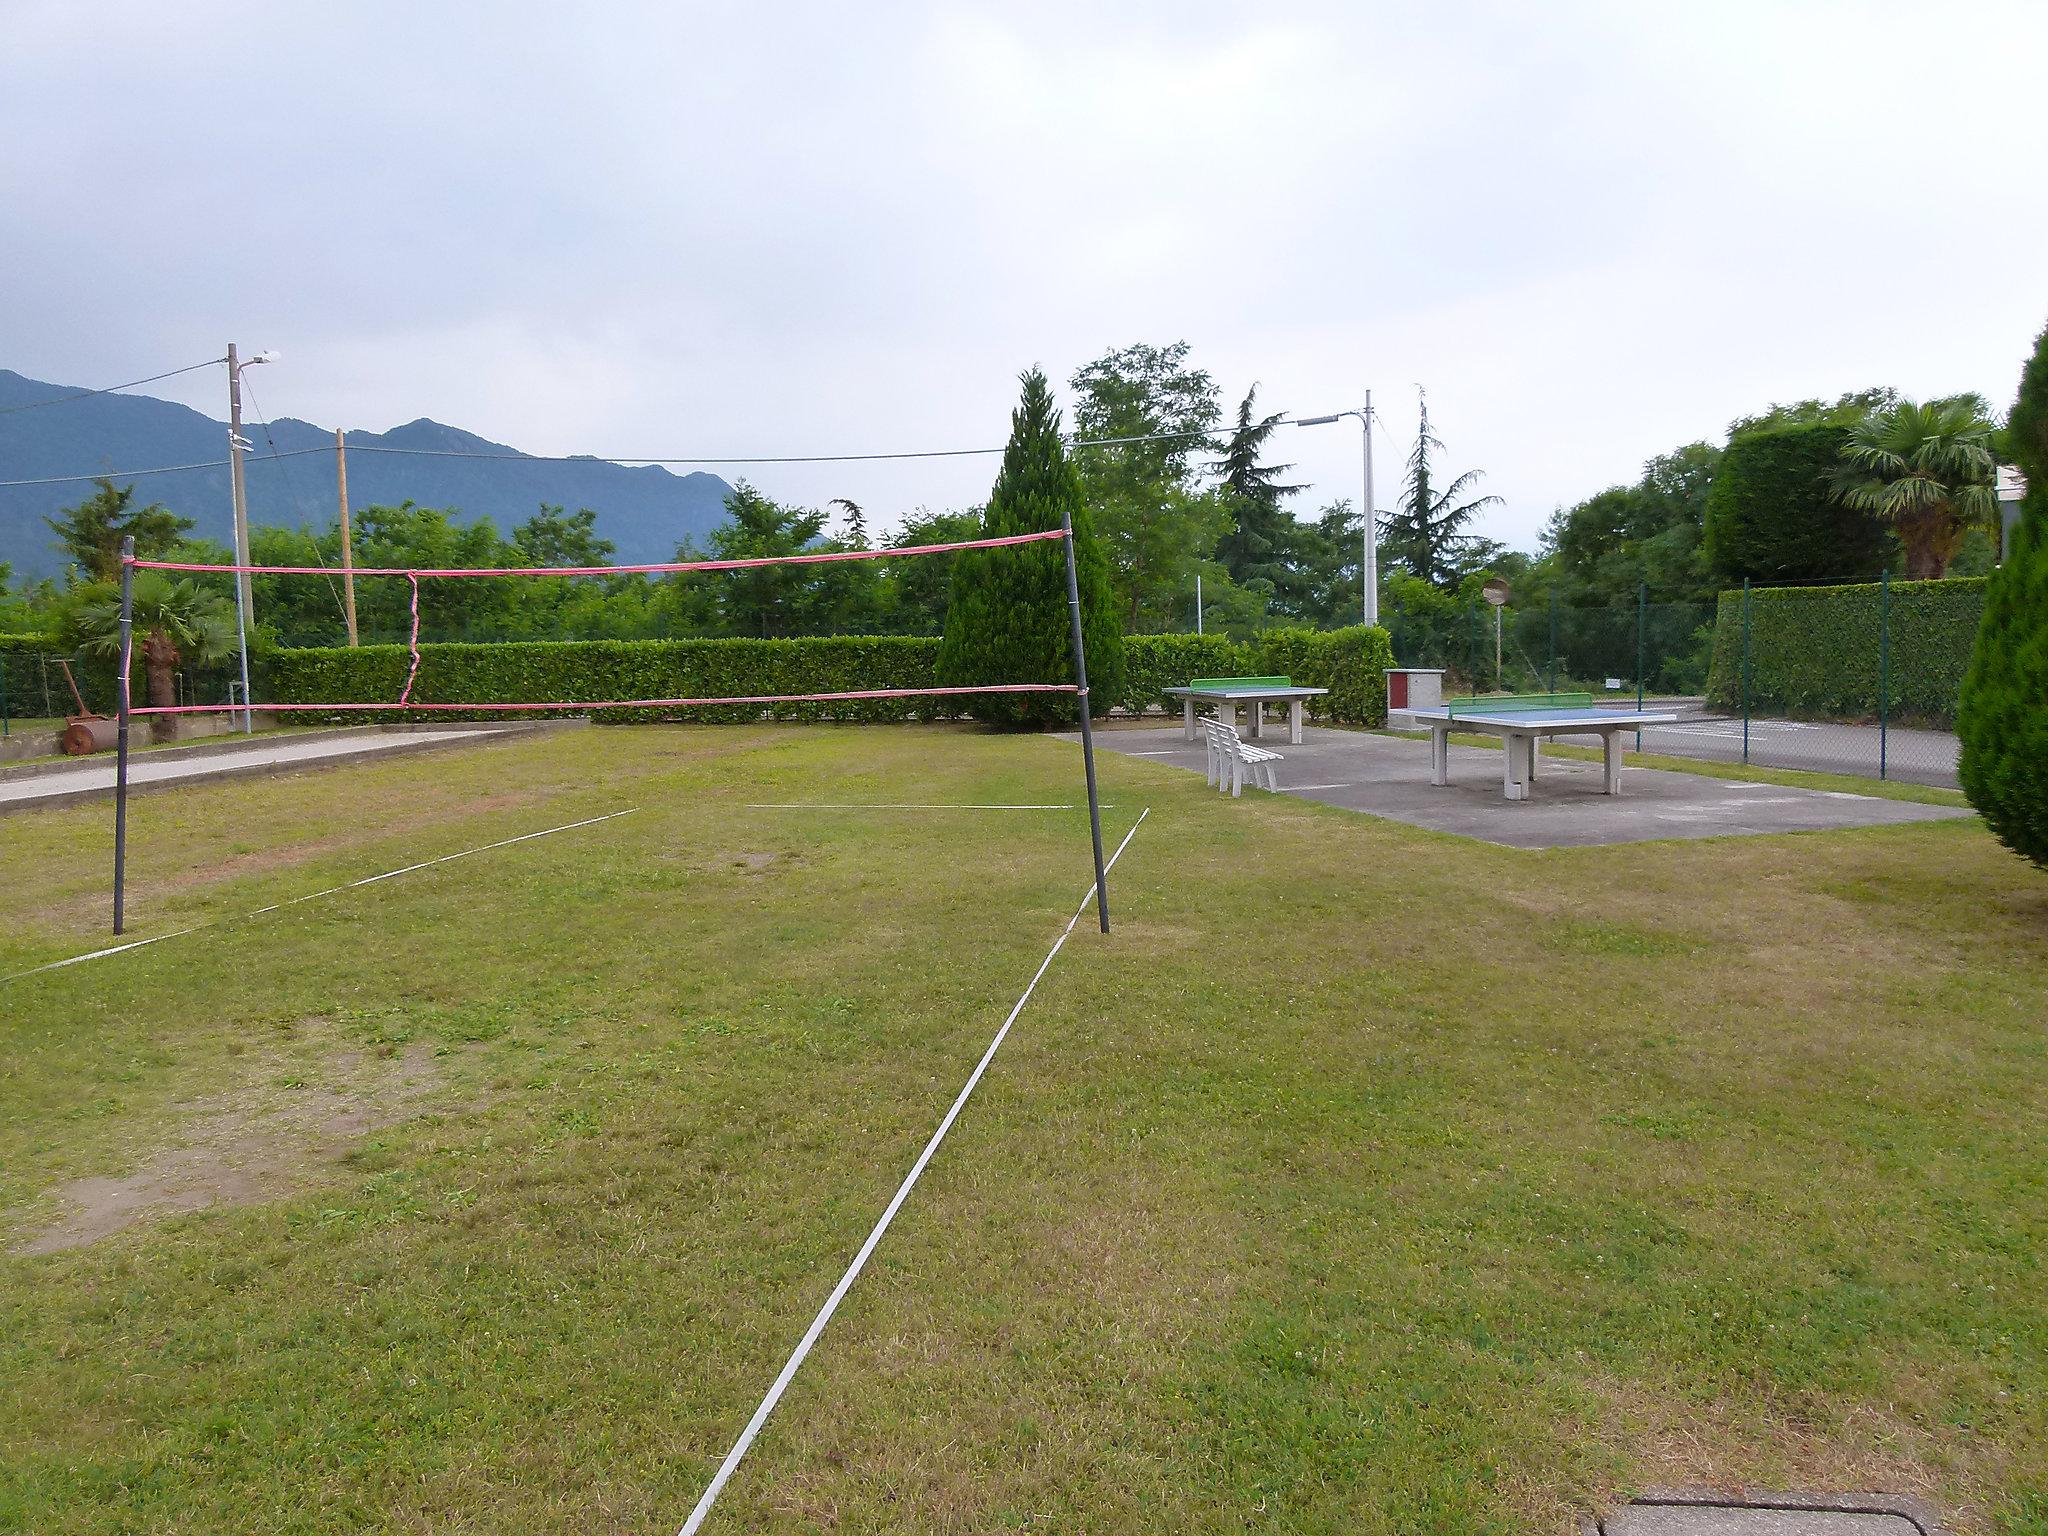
[646, 511]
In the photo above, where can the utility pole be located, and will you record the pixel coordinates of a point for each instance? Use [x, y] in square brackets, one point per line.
[238, 489]
[348, 557]
[1372, 543]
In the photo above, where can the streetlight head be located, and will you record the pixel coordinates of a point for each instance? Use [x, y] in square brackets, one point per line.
[262, 357]
[1316, 421]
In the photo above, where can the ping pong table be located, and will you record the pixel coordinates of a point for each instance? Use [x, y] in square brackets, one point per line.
[1521, 720]
[1226, 693]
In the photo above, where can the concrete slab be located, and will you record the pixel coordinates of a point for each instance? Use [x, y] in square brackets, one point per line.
[1389, 776]
[1707, 1512]
[1742, 1520]
[44, 786]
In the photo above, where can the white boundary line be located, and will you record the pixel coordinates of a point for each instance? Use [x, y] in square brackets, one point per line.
[864, 805]
[860, 1259]
[277, 906]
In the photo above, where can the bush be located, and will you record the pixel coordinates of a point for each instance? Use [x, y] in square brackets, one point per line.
[2004, 717]
[1772, 515]
[1349, 662]
[1816, 652]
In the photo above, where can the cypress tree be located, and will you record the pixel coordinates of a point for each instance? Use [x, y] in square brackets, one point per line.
[1007, 620]
[2003, 716]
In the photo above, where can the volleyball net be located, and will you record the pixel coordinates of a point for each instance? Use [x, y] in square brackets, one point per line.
[404, 702]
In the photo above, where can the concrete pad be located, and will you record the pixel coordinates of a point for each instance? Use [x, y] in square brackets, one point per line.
[1741, 1520]
[1705, 1512]
[1389, 776]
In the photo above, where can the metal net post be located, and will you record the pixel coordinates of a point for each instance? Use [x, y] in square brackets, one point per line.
[121, 690]
[1087, 728]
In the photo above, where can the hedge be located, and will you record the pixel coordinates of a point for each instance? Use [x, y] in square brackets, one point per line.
[1772, 515]
[1815, 652]
[1349, 662]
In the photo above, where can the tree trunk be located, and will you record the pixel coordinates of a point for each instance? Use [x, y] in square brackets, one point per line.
[160, 660]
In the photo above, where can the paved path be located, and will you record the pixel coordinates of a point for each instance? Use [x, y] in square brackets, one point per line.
[1818, 746]
[93, 778]
[1389, 776]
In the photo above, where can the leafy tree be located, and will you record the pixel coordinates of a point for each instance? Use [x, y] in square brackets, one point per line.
[1261, 544]
[918, 589]
[1845, 410]
[1926, 470]
[856, 522]
[1157, 524]
[1008, 621]
[174, 621]
[1426, 533]
[1646, 534]
[552, 538]
[764, 601]
[91, 532]
[1772, 514]
[2003, 715]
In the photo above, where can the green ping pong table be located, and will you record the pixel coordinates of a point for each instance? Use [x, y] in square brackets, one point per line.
[1521, 720]
[1226, 693]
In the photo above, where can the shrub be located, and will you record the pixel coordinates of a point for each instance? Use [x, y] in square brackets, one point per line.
[1008, 620]
[1772, 514]
[2003, 722]
[1817, 652]
[1349, 662]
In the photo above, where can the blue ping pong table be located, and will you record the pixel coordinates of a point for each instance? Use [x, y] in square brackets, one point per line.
[1521, 721]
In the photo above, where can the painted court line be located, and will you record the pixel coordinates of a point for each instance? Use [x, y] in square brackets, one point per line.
[122, 949]
[863, 805]
[860, 1259]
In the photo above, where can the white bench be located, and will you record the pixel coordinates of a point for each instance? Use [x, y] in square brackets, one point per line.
[1231, 758]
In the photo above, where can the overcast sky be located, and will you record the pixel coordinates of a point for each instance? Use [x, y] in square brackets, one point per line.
[1593, 230]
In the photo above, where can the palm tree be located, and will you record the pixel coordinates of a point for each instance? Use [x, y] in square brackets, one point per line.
[176, 620]
[1426, 532]
[1928, 471]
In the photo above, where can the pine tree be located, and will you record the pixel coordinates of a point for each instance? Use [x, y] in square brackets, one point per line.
[1262, 542]
[1426, 533]
[2003, 716]
[1007, 620]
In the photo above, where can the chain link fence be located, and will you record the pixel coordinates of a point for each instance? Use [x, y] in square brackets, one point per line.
[1857, 678]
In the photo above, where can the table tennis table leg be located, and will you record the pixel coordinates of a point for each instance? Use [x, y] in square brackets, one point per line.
[1257, 710]
[1514, 772]
[1294, 722]
[1227, 713]
[1610, 756]
[1439, 754]
[1187, 717]
[1533, 740]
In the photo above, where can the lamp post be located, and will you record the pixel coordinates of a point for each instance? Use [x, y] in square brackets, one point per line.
[238, 490]
[1371, 564]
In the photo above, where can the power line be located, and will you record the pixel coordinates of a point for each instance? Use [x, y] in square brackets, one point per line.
[648, 458]
[37, 405]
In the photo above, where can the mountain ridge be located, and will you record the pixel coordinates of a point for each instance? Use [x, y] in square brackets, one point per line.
[645, 510]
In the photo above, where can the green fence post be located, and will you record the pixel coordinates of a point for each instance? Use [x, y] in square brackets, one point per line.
[1550, 673]
[1642, 611]
[1745, 669]
[1884, 673]
[3, 697]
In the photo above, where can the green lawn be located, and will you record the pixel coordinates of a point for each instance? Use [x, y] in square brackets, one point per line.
[1509, 1182]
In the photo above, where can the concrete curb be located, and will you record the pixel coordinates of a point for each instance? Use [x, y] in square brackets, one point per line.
[481, 733]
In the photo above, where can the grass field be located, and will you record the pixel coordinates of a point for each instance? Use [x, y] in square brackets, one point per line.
[1363, 1180]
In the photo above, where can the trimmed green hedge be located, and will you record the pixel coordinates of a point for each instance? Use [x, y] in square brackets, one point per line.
[1351, 663]
[1815, 651]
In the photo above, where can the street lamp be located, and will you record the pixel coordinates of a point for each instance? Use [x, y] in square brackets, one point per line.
[238, 489]
[1371, 565]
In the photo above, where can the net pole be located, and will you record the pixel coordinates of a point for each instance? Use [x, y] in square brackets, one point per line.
[121, 730]
[1087, 729]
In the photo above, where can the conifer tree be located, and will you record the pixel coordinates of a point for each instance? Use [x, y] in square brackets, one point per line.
[2003, 716]
[1007, 620]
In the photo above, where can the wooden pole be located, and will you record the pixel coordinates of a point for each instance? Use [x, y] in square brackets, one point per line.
[348, 558]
